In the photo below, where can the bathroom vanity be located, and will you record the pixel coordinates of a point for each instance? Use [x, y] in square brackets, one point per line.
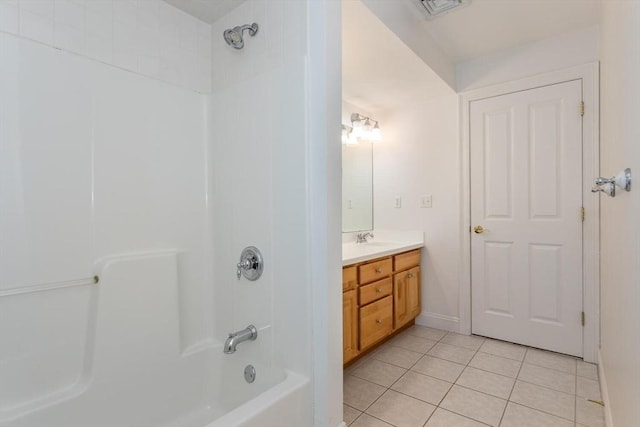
[380, 293]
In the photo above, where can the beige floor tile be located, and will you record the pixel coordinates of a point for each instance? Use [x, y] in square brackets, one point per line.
[588, 388]
[412, 343]
[443, 418]
[504, 349]
[423, 387]
[546, 377]
[587, 370]
[496, 364]
[358, 363]
[520, 416]
[425, 332]
[438, 368]
[486, 382]
[400, 410]
[349, 414]
[452, 353]
[378, 372]
[589, 413]
[473, 404]
[550, 360]
[398, 356]
[544, 399]
[467, 341]
[365, 420]
[360, 394]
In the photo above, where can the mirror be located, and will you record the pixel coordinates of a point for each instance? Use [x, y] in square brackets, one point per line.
[357, 187]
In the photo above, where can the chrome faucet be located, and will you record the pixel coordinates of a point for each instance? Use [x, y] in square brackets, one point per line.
[235, 338]
[362, 237]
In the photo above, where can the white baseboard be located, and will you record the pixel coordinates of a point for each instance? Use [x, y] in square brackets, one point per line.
[342, 424]
[438, 321]
[608, 420]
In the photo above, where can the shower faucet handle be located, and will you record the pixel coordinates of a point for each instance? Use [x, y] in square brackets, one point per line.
[251, 264]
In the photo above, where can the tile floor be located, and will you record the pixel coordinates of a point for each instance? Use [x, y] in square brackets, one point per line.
[427, 377]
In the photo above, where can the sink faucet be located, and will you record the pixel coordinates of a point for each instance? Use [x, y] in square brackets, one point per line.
[362, 237]
[235, 338]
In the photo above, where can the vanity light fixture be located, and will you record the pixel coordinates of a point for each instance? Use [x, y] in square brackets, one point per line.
[365, 128]
[348, 137]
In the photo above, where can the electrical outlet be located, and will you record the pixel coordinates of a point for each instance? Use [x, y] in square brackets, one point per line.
[426, 201]
[397, 202]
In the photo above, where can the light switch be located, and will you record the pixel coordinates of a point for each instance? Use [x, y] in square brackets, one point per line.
[397, 202]
[426, 201]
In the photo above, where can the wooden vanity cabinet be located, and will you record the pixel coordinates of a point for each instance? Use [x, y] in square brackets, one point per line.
[380, 297]
[406, 296]
[350, 344]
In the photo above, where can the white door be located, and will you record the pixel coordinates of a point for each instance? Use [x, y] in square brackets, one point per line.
[526, 193]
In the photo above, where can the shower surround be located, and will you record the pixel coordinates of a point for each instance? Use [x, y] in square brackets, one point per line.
[154, 180]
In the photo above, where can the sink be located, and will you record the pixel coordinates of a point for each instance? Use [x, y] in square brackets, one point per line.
[358, 252]
[377, 244]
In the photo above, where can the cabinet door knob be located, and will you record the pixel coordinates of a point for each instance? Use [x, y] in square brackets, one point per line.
[378, 290]
[379, 322]
[378, 270]
[410, 275]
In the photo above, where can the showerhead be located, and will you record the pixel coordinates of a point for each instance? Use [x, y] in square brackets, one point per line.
[234, 36]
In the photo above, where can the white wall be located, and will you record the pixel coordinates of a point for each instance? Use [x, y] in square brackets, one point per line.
[97, 164]
[419, 155]
[275, 170]
[620, 229]
[148, 37]
[555, 53]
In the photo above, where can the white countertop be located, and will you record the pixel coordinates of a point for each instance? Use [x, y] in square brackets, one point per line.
[384, 243]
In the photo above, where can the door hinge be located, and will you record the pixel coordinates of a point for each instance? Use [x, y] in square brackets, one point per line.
[582, 108]
[582, 318]
[582, 214]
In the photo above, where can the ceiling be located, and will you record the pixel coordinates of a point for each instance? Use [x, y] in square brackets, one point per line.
[206, 10]
[379, 71]
[484, 27]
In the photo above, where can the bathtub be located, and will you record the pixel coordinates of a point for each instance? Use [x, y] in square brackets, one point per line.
[131, 369]
[208, 390]
[276, 398]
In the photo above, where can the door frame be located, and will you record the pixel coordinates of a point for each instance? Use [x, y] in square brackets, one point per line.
[589, 73]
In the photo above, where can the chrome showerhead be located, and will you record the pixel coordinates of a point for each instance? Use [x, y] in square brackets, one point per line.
[234, 36]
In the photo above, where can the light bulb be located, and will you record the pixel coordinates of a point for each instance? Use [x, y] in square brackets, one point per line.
[376, 135]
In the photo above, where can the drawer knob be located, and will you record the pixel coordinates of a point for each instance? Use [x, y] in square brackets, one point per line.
[378, 290]
[410, 275]
[378, 270]
[379, 322]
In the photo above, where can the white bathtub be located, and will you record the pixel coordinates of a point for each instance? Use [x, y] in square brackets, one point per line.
[276, 398]
[131, 370]
[208, 390]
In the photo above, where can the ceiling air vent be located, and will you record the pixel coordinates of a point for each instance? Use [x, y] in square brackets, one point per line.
[438, 7]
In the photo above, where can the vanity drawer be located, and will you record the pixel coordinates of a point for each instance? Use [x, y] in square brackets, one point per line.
[349, 278]
[406, 260]
[375, 270]
[375, 290]
[376, 321]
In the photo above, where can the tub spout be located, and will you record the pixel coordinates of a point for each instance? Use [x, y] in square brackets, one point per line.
[235, 338]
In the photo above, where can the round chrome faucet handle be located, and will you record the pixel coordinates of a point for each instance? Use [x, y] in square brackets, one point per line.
[251, 264]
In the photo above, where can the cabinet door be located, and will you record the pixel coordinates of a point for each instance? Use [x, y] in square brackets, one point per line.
[406, 296]
[349, 325]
